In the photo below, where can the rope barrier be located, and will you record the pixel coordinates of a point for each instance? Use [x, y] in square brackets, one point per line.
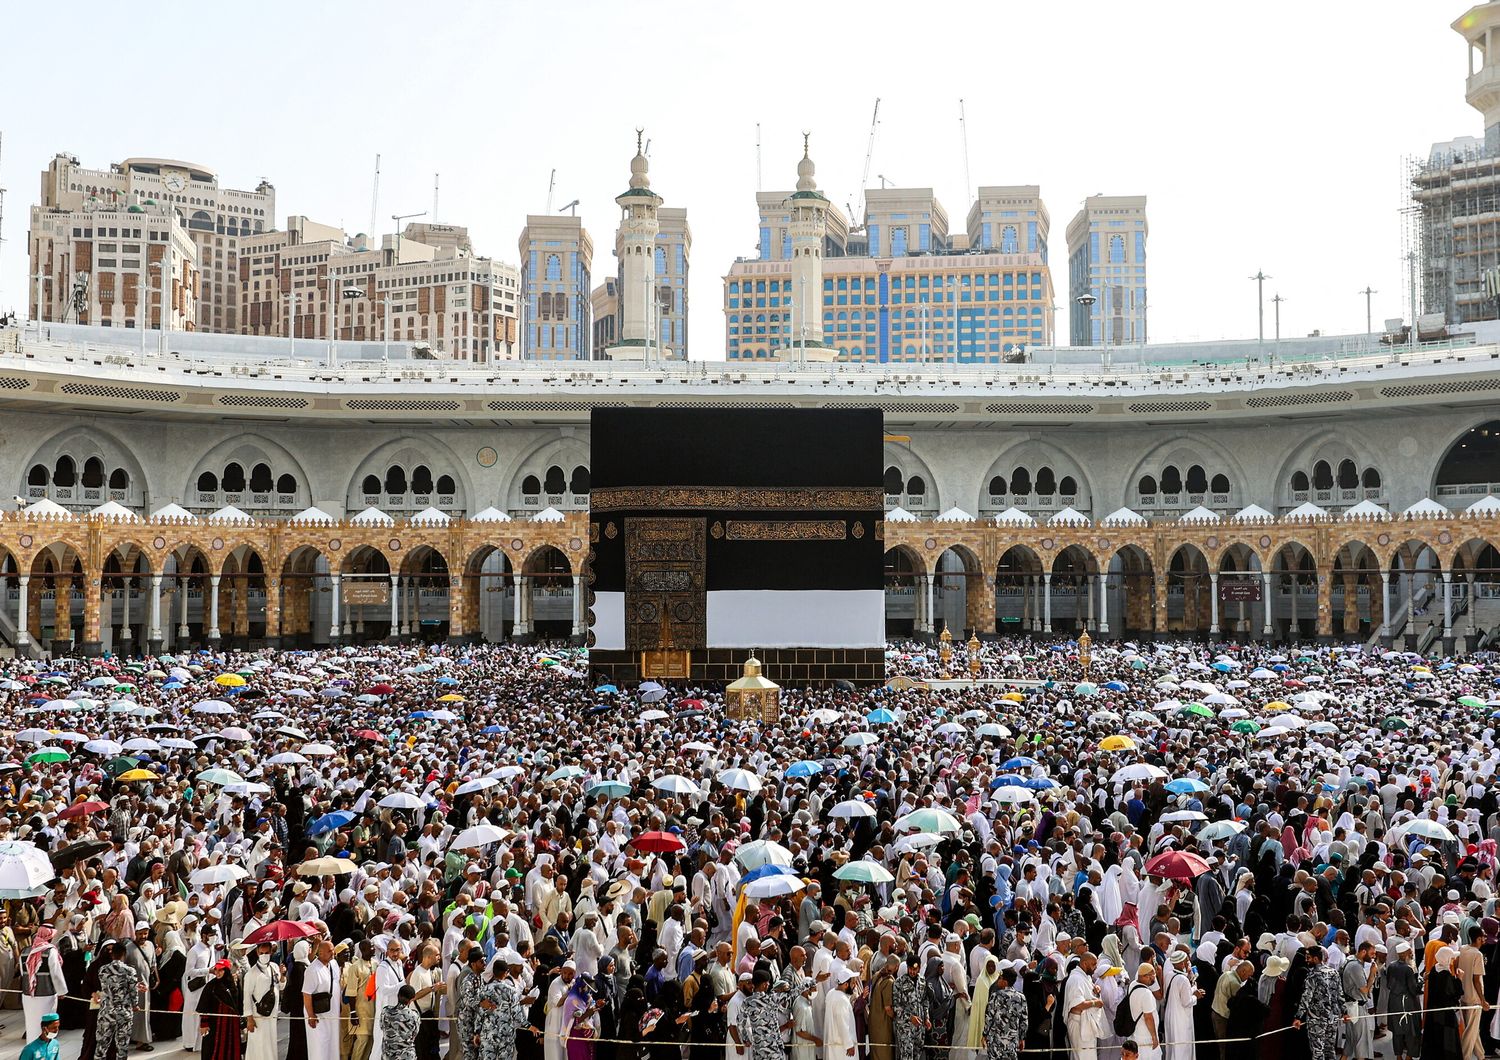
[283, 1017]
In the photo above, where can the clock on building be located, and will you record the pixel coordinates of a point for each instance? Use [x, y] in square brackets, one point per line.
[175, 183]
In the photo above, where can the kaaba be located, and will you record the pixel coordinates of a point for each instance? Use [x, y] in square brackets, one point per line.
[716, 533]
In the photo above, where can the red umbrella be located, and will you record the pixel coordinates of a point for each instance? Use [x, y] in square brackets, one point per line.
[1177, 865]
[281, 931]
[381, 689]
[369, 734]
[690, 704]
[658, 842]
[83, 809]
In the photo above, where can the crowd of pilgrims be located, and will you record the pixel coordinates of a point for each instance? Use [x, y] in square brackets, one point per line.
[1164, 851]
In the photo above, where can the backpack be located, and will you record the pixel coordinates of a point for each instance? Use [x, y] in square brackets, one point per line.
[1124, 1021]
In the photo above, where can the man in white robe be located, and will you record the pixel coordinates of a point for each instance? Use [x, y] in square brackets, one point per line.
[1178, 998]
[1083, 1009]
[322, 976]
[390, 976]
[839, 1038]
[554, 1047]
[261, 976]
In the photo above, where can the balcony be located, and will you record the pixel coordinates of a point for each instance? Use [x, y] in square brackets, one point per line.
[1469, 491]
[563, 502]
[1031, 503]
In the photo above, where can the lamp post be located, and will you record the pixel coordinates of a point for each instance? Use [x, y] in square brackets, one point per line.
[975, 663]
[1085, 651]
[1369, 320]
[945, 653]
[1087, 300]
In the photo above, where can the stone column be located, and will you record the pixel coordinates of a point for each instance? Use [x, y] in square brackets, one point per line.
[23, 614]
[1294, 632]
[335, 631]
[413, 607]
[273, 610]
[456, 631]
[153, 630]
[1103, 584]
[93, 592]
[62, 615]
[395, 607]
[1472, 638]
[125, 635]
[929, 590]
[1213, 603]
[1408, 626]
[578, 630]
[1325, 607]
[1385, 608]
[1047, 601]
[183, 633]
[213, 612]
[516, 591]
[1268, 606]
[1448, 612]
[1159, 604]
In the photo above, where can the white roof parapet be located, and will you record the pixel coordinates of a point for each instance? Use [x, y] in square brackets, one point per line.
[313, 516]
[231, 515]
[173, 513]
[899, 514]
[955, 515]
[1487, 505]
[1070, 516]
[1200, 514]
[1307, 510]
[114, 512]
[1365, 511]
[548, 514]
[1252, 513]
[1014, 517]
[1426, 508]
[489, 515]
[430, 517]
[1124, 517]
[47, 509]
[372, 516]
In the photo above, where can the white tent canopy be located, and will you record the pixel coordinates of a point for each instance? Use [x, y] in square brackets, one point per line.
[230, 514]
[373, 516]
[1253, 513]
[46, 509]
[1014, 517]
[548, 514]
[899, 514]
[312, 517]
[1426, 506]
[430, 517]
[1307, 510]
[955, 515]
[1367, 510]
[116, 511]
[1200, 514]
[1488, 505]
[174, 513]
[489, 515]
[1124, 517]
[1069, 516]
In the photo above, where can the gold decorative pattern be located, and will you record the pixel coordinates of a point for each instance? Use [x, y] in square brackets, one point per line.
[857, 530]
[666, 601]
[738, 498]
[610, 531]
[717, 530]
[785, 530]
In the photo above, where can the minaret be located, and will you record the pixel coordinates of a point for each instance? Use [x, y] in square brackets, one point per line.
[1480, 26]
[636, 246]
[809, 223]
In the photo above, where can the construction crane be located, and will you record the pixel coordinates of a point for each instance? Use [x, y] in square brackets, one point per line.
[856, 221]
[396, 219]
[963, 128]
[571, 207]
[551, 184]
[884, 180]
[757, 156]
[435, 196]
[374, 200]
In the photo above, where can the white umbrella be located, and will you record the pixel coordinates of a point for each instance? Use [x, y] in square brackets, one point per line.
[287, 758]
[24, 867]
[481, 835]
[929, 819]
[104, 747]
[401, 800]
[762, 852]
[506, 772]
[773, 886]
[1013, 795]
[824, 716]
[141, 743]
[1427, 829]
[740, 780]
[860, 739]
[292, 731]
[850, 808]
[223, 873]
[321, 749]
[1183, 815]
[235, 733]
[468, 787]
[177, 743]
[1137, 771]
[247, 788]
[697, 746]
[1220, 830]
[33, 736]
[676, 784]
[654, 715]
[212, 706]
[918, 841]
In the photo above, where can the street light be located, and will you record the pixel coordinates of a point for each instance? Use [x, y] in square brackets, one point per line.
[1087, 300]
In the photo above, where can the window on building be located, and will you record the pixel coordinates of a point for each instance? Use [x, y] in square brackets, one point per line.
[1322, 476]
[1009, 240]
[233, 480]
[208, 482]
[892, 479]
[421, 479]
[286, 484]
[555, 482]
[1171, 480]
[997, 486]
[1117, 250]
[1197, 480]
[1219, 483]
[531, 486]
[916, 486]
[395, 480]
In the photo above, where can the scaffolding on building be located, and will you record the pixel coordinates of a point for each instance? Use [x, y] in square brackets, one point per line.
[1451, 232]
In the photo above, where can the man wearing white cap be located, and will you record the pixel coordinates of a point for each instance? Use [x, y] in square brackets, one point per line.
[554, 1048]
[1083, 1009]
[140, 954]
[839, 1039]
[390, 976]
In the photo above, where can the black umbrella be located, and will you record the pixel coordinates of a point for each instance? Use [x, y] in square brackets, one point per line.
[76, 852]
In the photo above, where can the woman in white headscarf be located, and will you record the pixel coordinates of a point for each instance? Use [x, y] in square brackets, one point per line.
[972, 1041]
[1107, 896]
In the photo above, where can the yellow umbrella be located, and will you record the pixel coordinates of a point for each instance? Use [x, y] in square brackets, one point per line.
[1119, 742]
[229, 680]
[451, 697]
[1278, 705]
[137, 774]
[1014, 697]
[1422, 669]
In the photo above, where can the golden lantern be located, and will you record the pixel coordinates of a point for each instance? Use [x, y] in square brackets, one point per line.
[945, 653]
[1085, 651]
[975, 665]
[753, 697]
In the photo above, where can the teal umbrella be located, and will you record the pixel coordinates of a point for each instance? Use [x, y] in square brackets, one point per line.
[615, 789]
[863, 872]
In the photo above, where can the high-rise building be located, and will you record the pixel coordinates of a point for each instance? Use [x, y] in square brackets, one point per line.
[604, 307]
[674, 249]
[113, 266]
[1454, 190]
[921, 294]
[775, 242]
[216, 218]
[1107, 271]
[557, 254]
[284, 279]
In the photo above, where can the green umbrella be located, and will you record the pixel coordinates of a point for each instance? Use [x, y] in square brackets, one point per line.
[863, 872]
[48, 754]
[1197, 710]
[116, 766]
[53, 681]
[124, 688]
[1393, 722]
[613, 788]
[1471, 701]
[1250, 728]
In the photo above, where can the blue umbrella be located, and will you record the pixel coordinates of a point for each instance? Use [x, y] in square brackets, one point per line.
[1007, 780]
[804, 768]
[880, 716]
[446, 681]
[766, 870]
[492, 730]
[1019, 762]
[1281, 668]
[329, 821]
[1116, 686]
[601, 708]
[1038, 783]
[607, 689]
[1185, 785]
[1223, 667]
[423, 714]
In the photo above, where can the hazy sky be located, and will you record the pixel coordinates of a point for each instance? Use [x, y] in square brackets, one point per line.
[1266, 135]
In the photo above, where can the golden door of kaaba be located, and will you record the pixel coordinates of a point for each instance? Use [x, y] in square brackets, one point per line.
[666, 594]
